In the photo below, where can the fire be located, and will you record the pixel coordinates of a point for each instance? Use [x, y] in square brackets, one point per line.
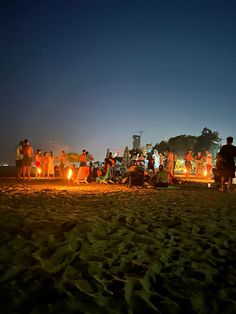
[205, 173]
[39, 170]
[69, 175]
[185, 170]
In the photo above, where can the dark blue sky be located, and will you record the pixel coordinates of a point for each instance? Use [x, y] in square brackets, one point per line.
[89, 74]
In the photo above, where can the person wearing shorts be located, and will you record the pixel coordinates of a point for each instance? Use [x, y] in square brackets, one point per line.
[188, 157]
[28, 154]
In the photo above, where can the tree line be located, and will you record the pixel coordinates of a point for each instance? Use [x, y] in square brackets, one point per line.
[180, 144]
[207, 140]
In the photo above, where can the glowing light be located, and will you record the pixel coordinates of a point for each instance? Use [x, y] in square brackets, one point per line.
[185, 170]
[205, 173]
[39, 170]
[69, 174]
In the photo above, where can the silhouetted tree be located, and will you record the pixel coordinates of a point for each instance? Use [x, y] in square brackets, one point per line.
[207, 140]
[181, 143]
[161, 147]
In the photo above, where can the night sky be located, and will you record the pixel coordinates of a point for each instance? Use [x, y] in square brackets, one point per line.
[89, 74]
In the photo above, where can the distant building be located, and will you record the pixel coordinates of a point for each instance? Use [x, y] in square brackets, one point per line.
[136, 141]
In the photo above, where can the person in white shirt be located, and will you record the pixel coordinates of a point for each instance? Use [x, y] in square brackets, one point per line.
[208, 160]
[19, 160]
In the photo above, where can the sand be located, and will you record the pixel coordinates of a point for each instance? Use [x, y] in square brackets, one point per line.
[111, 249]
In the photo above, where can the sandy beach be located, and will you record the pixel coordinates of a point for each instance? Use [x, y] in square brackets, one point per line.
[92, 248]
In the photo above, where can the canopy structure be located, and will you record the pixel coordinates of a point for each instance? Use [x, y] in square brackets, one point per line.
[73, 157]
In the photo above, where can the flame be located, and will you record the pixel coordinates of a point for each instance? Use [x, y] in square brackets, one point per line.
[39, 170]
[69, 174]
[205, 173]
[185, 170]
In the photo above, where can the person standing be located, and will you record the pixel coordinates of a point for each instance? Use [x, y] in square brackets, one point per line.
[51, 171]
[227, 153]
[175, 158]
[199, 164]
[161, 159]
[62, 161]
[19, 160]
[45, 164]
[112, 162]
[28, 154]
[83, 159]
[38, 163]
[188, 157]
[90, 160]
[208, 160]
[151, 163]
[170, 162]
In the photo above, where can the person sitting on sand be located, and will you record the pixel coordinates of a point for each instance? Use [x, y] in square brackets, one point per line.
[162, 178]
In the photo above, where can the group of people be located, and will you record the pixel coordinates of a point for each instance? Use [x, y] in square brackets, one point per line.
[44, 161]
[225, 164]
[201, 162]
[169, 159]
[24, 158]
[164, 174]
[145, 167]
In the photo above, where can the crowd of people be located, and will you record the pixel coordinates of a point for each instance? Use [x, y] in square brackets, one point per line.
[46, 164]
[161, 171]
[203, 163]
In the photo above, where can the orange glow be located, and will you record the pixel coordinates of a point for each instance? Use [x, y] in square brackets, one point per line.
[39, 170]
[185, 170]
[69, 174]
[205, 173]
